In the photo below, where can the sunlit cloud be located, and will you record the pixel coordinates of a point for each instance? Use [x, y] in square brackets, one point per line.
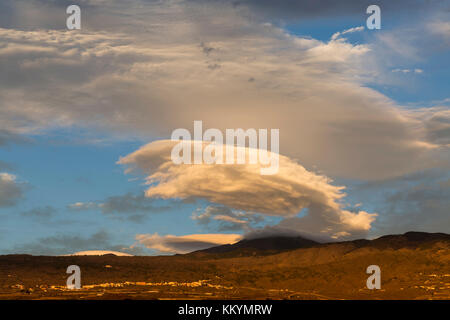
[242, 187]
[186, 243]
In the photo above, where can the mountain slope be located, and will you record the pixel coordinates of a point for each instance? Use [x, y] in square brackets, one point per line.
[259, 246]
[274, 245]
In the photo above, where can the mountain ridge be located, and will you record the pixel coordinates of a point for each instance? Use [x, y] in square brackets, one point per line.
[277, 244]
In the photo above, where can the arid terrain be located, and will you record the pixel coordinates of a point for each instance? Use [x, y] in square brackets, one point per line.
[413, 266]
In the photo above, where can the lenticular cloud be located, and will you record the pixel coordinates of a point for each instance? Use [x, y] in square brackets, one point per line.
[242, 187]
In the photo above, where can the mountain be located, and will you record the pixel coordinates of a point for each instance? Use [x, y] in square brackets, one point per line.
[100, 253]
[408, 239]
[259, 246]
[274, 245]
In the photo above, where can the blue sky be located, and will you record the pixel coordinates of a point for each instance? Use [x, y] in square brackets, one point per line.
[368, 110]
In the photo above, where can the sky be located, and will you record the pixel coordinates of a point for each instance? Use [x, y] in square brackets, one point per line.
[86, 118]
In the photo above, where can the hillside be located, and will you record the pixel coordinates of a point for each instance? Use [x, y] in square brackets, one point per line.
[413, 266]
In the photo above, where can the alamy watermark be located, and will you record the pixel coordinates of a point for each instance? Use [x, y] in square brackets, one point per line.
[374, 281]
[374, 20]
[74, 280]
[73, 21]
[209, 147]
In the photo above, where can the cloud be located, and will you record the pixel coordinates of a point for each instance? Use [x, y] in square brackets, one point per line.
[5, 166]
[130, 203]
[408, 70]
[230, 65]
[66, 244]
[416, 202]
[82, 206]
[114, 14]
[440, 28]
[315, 92]
[128, 206]
[228, 219]
[187, 243]
[7, 137]
[62, 244]
[176, 62]
[11, 191]
[40, 213]
[294, 10]
[242, 187]
[336, 35]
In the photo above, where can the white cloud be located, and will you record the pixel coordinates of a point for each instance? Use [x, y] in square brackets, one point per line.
[418, 71]
[187, 243]
[7, 177]
[83, 206]
[242, 187]
[351, 30]
[402, 70]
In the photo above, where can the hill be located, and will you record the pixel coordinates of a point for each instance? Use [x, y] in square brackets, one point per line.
[259, 246]
[275, 245]
[414, 265]
[99, 253]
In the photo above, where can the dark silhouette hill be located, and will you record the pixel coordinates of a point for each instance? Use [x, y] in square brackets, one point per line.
[261, 246]
[409, 239]
[274, 245]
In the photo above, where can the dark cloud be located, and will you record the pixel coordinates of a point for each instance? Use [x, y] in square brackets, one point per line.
[423, 206]
[64, 244]
[134, 250]
[7, 137]
[293, 9]
[438, 127]
[415, 202]
[49, 14]
[40, 213]
[214, 66]
[206, 49]
[28, 14]
[11, 191]
[225, 219]
[130, 203]
[125, 207]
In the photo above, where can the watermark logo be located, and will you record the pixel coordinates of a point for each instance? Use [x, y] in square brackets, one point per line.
[74, 20]
[374, 281]
[74, 280]
[373, 21]
[209, 147]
